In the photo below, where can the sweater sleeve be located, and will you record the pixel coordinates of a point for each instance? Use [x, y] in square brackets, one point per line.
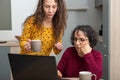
[63, 63]
[94, 63]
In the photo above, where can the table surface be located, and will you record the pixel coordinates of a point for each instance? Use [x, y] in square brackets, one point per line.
[10, 43]
[70, 79]
[73, 79]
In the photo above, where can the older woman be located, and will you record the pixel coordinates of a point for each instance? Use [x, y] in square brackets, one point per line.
[82, 56]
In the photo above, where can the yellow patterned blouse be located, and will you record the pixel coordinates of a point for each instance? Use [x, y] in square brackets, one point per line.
[46, 35]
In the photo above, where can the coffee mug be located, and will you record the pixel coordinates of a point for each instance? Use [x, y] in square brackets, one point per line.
[36, 45]
[86, 75]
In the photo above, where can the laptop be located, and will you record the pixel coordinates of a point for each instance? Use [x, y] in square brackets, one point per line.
[33, 67]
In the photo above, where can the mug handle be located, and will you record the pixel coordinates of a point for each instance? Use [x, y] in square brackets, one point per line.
[94, 76]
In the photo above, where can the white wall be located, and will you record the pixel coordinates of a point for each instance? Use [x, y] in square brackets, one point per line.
[20, 9]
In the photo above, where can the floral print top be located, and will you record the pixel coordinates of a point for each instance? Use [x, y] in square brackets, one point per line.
[46, 35]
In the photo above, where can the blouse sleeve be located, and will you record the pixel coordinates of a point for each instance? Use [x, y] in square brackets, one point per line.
[26, 32]
[56, 51]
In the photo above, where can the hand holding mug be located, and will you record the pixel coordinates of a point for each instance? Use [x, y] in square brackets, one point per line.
[27, 45]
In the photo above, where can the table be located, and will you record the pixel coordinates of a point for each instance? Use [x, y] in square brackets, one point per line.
[70, 79]
[5, 48]
[73, 79]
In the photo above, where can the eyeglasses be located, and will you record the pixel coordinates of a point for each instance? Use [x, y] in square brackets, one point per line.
[79, 39]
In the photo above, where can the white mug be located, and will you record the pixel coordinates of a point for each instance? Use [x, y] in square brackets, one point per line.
[36, 45]
[86, 75]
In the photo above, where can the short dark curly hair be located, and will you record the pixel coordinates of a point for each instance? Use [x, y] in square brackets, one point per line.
[89, 32]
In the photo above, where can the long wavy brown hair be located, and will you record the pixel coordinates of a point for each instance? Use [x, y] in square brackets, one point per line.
[59, 19]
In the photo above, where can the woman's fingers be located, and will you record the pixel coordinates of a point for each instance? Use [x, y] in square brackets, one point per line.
[59, 46]
[28, 45]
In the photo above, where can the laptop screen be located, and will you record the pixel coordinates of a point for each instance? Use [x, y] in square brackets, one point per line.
[33, 67]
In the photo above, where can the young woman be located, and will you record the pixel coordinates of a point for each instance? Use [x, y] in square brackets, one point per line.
[47, 24]
[82, 56]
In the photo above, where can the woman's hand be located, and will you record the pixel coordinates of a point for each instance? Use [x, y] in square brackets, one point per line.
[86, 49]
[59, 45]
[59, 74]
[28, 45]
